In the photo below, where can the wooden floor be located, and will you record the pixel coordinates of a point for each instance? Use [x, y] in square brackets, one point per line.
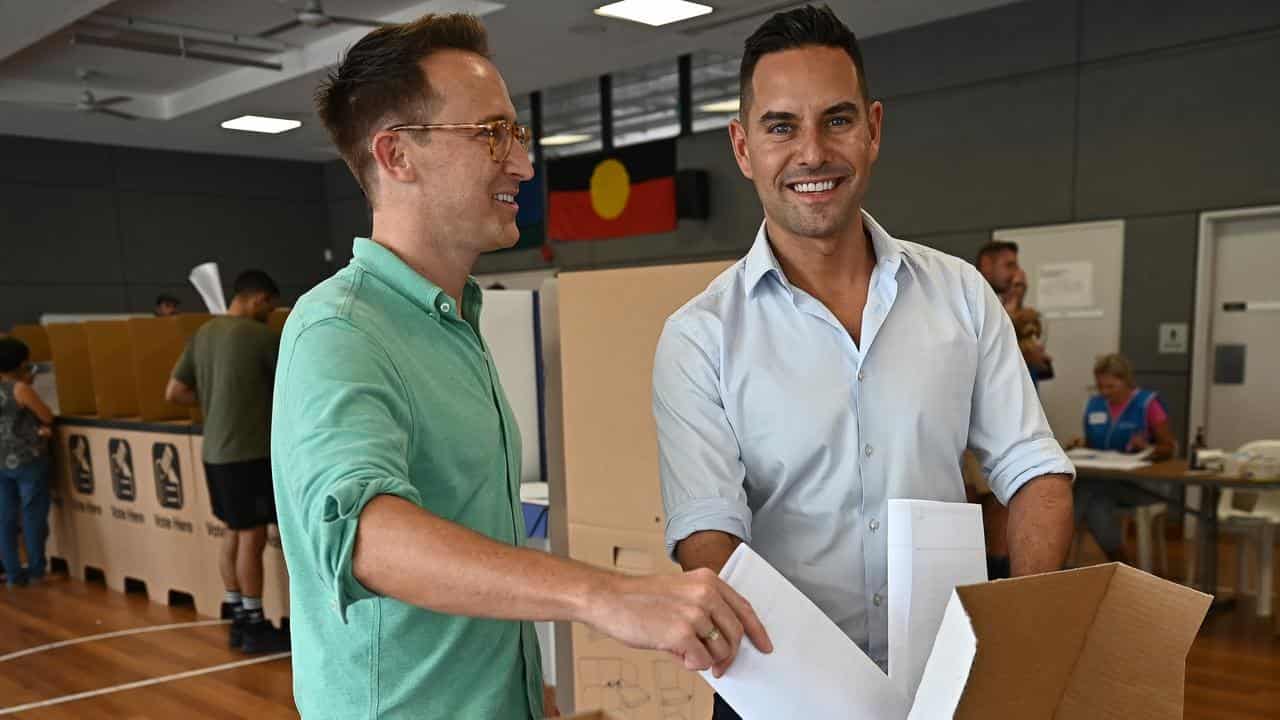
[1233, 671]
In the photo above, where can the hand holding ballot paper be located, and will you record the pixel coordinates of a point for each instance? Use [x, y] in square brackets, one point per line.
[1106, 641]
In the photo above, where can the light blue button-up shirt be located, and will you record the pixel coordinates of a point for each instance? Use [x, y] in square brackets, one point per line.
[775, 427]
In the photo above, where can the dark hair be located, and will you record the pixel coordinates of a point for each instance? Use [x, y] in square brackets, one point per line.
[808, 26]
[255, 281]
[13, 353]
[993, 248]
[162, 299]
[379, 79]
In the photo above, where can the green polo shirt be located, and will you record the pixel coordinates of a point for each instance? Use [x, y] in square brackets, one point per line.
[385, 387]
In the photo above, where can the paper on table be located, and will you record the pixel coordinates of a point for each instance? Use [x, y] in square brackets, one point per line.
[815, 670]
[933, 547]
[1109, 459]
[208, 283]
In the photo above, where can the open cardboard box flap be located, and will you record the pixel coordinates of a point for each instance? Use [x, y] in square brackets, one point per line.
[1099, 642]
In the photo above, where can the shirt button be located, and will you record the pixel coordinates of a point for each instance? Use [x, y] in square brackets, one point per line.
[861, 375]
[868, 451]
[874, 525]
[444, 307]
[877, 600]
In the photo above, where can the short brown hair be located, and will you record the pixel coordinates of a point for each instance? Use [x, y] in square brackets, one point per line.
[1115, 365]
[803, 27]
[380, 77]
[993, 248]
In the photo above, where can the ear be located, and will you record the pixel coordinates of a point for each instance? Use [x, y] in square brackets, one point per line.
[738, 141]
[390, 158]
[875, 124]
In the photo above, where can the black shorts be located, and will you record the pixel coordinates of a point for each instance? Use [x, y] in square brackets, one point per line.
[241, 493]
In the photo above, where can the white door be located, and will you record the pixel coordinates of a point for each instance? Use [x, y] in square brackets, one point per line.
[1243, 399]
[1075, 276]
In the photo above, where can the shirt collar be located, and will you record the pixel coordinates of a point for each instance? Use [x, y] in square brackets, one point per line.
[388, 267]
[761, 261]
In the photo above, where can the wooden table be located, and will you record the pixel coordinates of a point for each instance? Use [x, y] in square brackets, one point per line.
[1176, 472]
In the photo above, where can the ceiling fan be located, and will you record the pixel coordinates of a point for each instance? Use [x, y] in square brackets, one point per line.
[312, 15]
[90, 103]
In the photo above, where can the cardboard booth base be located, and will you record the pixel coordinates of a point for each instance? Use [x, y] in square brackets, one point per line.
[636, 684]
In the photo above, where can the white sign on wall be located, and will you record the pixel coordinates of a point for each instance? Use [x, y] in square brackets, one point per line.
[1065, 285]
[1173, 338]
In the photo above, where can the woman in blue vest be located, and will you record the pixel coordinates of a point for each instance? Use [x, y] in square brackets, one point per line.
[1124, 418]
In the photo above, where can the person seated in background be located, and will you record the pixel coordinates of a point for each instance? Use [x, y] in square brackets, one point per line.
[24, 464]
[166, 305]
[1124, 418]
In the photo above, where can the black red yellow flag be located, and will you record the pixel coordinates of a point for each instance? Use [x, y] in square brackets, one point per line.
[628, 191]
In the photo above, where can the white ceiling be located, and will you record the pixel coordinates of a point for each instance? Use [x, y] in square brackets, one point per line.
[537, 44]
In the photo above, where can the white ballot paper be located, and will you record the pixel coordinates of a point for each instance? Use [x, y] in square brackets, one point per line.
[933, 548]
[209, 284]
[816, 671]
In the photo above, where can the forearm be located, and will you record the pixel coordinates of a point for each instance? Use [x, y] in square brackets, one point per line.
[178, 393]
[405, 552]
[1040, 525]
[708, 549]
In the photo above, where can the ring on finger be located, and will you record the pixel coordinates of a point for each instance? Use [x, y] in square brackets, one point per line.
[712, 636]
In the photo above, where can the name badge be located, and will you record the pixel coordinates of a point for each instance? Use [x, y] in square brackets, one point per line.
[1097, 418]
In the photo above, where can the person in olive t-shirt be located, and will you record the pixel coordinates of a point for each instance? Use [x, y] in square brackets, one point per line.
[228, 369]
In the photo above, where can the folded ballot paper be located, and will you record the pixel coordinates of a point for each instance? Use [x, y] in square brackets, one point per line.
[1104, 641]
[208, 282]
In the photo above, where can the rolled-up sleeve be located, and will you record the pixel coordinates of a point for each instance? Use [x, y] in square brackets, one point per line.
[344, 415]
[1008, 431]
[700, 463]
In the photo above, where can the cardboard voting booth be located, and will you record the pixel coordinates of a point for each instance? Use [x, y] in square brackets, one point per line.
[37, 341]
[599, 332]
[111, 361]
[69, 346]
[609, 325]
[637, 684]
[157, 344]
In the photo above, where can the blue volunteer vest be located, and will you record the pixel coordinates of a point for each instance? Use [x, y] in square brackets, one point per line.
[1102, 433]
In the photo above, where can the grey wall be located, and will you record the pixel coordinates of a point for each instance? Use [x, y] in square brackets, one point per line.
[91, 228]
[348, 212]
[1039, 113]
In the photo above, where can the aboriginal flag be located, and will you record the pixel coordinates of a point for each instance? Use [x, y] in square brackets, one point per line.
[628, 191]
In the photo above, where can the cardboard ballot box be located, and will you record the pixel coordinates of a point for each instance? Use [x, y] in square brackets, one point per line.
[1102, 642]
[1107, 641]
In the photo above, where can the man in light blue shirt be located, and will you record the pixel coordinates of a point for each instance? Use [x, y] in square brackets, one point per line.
[836, 367]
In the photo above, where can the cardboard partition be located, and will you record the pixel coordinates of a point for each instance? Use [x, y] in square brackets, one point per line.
[211, 532]
[157, 345]
[62, 537]
[1107, 641]
[608, 676]
[609, 325]
[167, 494]
[36, 339]
[69, 345]
[207, 587]
[275, 578]
[103, 513]
[111, 361]
[188, 324]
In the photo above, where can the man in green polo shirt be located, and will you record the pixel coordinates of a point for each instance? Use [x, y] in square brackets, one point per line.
[396, 456]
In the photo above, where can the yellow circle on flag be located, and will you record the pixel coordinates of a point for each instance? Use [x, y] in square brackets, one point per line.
[610, 188]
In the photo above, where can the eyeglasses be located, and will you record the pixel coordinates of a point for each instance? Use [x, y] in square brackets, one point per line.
[499, 132]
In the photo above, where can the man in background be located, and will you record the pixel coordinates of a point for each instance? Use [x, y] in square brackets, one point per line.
[166, 305]
[228, 369]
